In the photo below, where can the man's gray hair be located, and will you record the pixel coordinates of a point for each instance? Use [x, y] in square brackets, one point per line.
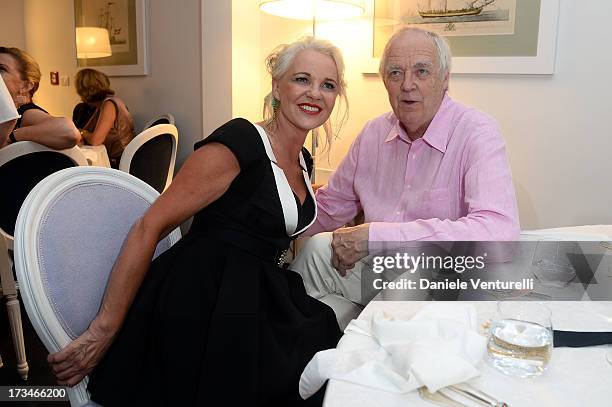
[442, 48]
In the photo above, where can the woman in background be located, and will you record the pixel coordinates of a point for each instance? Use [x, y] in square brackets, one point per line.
[111, 123]
[21, 75]
[214, 320]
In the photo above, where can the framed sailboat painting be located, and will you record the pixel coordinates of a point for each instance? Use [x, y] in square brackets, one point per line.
[125, 22]
[486, 36]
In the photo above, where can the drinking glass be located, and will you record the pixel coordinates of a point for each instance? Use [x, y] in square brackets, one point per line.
[552, 262]
[521, 338]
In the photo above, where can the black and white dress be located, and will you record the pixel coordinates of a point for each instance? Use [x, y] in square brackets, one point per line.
[216, 321]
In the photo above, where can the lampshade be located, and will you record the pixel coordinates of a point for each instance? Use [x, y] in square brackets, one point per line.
[323, 9]
[92, 42]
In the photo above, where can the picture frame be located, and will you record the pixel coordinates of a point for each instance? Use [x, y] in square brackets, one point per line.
[540, 61]
[127, 23]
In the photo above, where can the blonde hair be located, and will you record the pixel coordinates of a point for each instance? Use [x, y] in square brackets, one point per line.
[29, 70]
[278, 63]
[92, 86]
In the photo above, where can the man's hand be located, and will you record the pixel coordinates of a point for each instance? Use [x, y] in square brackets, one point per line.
[349, 245]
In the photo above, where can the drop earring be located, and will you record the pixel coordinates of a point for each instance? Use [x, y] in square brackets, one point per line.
[275, 106]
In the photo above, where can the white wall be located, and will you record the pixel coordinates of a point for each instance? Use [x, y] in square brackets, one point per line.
[216, 63]
[556, 127]
[49, 34]
[174, 82]
[12, 33]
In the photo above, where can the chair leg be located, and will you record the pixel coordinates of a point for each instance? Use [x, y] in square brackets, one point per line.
[14, 314]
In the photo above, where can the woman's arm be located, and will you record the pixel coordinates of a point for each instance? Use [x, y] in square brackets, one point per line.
[5, 130]
[108, 114]
[204, 177]
[55, 132]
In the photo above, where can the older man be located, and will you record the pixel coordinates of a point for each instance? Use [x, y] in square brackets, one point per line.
[431, 170]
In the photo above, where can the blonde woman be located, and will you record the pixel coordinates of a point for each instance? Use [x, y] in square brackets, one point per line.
[215, 320]
[21, 75]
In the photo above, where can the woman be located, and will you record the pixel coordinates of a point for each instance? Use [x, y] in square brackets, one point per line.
[110, 123]
[21, 75]
[215, 321]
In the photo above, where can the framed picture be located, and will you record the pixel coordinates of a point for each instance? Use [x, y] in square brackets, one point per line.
[486, 36]
[126, 22]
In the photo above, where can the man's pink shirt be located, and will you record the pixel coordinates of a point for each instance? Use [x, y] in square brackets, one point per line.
[454, 183]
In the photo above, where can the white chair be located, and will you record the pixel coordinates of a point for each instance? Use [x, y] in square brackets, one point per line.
[68, 234]
[161, 119]
[151, 156]
[22, 166]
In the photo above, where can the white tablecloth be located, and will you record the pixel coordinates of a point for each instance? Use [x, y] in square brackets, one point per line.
[96, 155]
[575, 377]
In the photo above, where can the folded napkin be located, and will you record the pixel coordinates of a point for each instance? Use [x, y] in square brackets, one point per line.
[573, 339]
[438, 347]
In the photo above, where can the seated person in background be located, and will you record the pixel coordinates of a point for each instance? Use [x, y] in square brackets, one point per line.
[8, 113]
[110, 123]
[81, 114]
[215, 315]
[21, 75]
[430, 170]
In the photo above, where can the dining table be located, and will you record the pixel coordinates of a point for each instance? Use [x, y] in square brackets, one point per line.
[575, 377]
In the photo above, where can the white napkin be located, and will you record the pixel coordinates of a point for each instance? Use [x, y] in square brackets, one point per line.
[438, 347]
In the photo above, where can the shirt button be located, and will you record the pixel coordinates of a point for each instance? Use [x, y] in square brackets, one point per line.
[413, 156]
[398, 212]
[409, 186]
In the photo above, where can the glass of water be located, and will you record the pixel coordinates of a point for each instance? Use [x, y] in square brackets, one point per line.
[552, 262]
[521, 338]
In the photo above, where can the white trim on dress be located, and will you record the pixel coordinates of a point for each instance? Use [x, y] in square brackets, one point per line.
[285, 193]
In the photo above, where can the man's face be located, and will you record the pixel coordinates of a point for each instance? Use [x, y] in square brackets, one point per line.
[412, 78]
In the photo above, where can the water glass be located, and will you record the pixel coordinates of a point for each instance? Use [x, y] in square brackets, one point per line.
[521, 338]
[552, 262]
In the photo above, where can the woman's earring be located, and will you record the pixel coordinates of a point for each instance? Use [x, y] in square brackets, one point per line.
[275, 106]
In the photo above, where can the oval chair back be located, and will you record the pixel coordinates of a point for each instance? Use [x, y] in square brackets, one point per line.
[22, 166]
[151, 156]
[68, 235]
[161, 119]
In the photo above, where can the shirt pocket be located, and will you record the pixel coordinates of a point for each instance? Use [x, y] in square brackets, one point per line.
[434, 203]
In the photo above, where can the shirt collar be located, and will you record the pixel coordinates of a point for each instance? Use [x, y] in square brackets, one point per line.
[437, 133]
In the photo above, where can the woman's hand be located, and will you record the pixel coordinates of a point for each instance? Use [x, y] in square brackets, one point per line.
[78, 359]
